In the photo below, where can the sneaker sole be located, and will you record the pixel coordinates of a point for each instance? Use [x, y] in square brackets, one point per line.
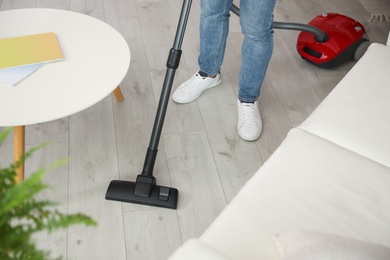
[249, 139]
[196, 97]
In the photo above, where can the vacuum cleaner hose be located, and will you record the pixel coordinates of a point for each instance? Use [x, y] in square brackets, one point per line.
[319, 35]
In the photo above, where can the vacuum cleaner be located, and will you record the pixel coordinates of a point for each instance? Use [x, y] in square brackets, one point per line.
[346, 41]
[314, 45]
[328, 40]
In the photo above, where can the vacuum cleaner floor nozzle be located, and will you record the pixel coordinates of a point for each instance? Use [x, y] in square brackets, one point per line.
[160, 196]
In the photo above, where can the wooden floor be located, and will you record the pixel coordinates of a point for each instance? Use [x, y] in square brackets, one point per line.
[200, 152]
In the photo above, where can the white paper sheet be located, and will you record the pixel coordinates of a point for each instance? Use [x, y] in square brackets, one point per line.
[12, 76]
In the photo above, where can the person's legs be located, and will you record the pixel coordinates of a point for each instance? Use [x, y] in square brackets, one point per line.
[256, 18]
[214, 28]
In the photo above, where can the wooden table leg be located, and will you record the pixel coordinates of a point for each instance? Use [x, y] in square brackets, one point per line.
[118, 94]
[19, 135]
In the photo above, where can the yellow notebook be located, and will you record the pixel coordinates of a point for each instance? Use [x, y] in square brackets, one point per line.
[29, 49]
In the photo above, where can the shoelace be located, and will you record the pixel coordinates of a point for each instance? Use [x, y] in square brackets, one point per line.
[248, 113]
[191, 86]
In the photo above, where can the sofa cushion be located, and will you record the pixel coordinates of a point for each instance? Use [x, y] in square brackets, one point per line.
[316, 186]
[356, 114]
[312, 245]
[195, 249]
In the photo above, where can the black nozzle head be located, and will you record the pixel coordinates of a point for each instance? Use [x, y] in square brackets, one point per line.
[145, 193]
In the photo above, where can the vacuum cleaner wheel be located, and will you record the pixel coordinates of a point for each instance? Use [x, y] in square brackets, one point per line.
[361, 49]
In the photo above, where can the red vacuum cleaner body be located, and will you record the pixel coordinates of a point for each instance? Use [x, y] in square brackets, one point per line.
[345, 41]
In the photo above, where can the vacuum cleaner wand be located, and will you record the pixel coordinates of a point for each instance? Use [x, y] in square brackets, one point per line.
[144, 190]
[320, 36]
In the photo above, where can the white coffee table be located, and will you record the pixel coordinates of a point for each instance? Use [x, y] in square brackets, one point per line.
[97, 59]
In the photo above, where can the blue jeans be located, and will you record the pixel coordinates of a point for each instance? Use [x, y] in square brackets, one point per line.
[256, 19]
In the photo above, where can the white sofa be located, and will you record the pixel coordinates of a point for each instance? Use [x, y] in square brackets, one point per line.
[325, 190]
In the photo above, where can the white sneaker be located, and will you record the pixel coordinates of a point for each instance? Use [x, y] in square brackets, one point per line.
[249, 124]
[194, 87]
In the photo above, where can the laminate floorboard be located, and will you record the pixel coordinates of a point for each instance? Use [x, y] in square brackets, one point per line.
[58, 181]
[90, 170]
[200, 152]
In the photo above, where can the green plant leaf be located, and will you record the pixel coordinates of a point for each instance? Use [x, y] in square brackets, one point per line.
[4, 134]
[21, 215]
